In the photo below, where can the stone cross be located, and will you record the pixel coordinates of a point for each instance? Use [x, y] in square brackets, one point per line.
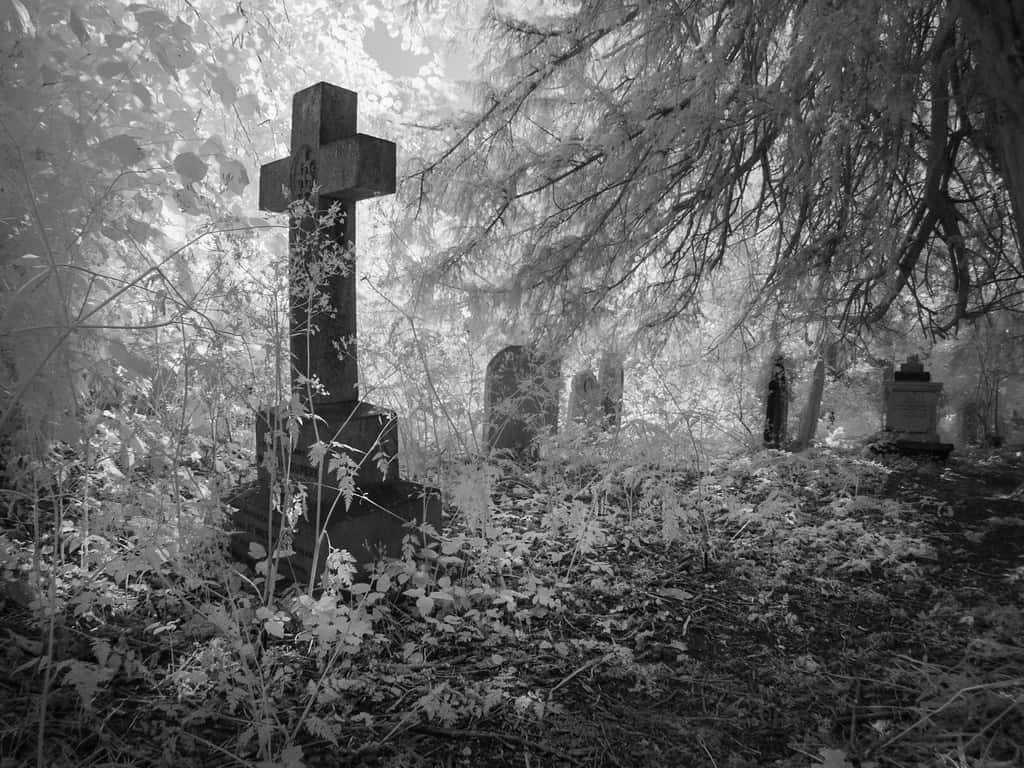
[329, 163]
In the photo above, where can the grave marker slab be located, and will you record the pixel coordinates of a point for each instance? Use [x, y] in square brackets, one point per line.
[611, 377]
[331, 167]
[585, 399]
[777, 406]
[521, 389]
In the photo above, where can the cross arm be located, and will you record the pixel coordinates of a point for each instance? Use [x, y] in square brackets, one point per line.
[353, 168]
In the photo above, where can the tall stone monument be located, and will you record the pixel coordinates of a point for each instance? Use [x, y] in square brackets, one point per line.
[330, 169]
[912, 410]
[777, 405]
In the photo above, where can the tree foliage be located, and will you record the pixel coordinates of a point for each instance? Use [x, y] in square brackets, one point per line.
[856, 157]
[132, 256]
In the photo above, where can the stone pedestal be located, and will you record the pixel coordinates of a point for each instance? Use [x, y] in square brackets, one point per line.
[367, 434]
[373, 525]
[912, 411]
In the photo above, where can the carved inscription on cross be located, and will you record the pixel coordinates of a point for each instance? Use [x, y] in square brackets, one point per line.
[329, 163]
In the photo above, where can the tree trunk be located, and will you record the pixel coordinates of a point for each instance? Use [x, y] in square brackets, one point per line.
[995, 29]
[812, 408]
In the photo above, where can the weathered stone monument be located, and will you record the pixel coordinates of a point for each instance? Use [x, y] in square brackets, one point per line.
[331, 168]
[912, 410]
[611, 378]
[777, 405]
[521, 390]
[586, 404]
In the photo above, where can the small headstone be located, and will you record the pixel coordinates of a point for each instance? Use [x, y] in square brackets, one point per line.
[610, 376]
[777, 406]
[521, 390]
[585, 399]
[331, 166]
[912, 411]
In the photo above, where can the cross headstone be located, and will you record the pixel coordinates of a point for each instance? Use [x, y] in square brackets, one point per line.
[777, 405]
[521, 389]
[331, 167]
[611, 377]
[585, 401]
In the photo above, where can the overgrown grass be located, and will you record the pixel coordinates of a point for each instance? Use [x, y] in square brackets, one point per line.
[602, 608]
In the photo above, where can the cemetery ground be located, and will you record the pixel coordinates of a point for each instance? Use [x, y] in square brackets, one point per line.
[827, 608]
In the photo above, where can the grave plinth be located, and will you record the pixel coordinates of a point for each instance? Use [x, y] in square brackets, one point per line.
[365, 433]
[372, 526]
[367, 510]
[912, 411]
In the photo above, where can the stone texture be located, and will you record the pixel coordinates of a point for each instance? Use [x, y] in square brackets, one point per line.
[777, 406]
[912, 410]
[521, 389]
[331, 167]
[611, 377]
[585, 399]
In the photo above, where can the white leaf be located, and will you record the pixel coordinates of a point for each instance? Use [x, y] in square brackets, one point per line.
[23, 17]
[425, 606]
[257, 551]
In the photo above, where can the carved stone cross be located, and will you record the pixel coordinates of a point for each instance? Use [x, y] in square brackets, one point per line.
[329, 163]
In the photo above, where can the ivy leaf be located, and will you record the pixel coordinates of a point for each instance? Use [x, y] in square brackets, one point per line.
[150, 20]
[291, 757]
[833, 758]
[234, 176]
[257, 551]
[125, 148]
[174, 56]
[142, 93]
[425, 606]
[112, 68]
[248, 105]
[225, 88]
[190, 167]
[188, 201]
[212, 146]
[141, 231]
